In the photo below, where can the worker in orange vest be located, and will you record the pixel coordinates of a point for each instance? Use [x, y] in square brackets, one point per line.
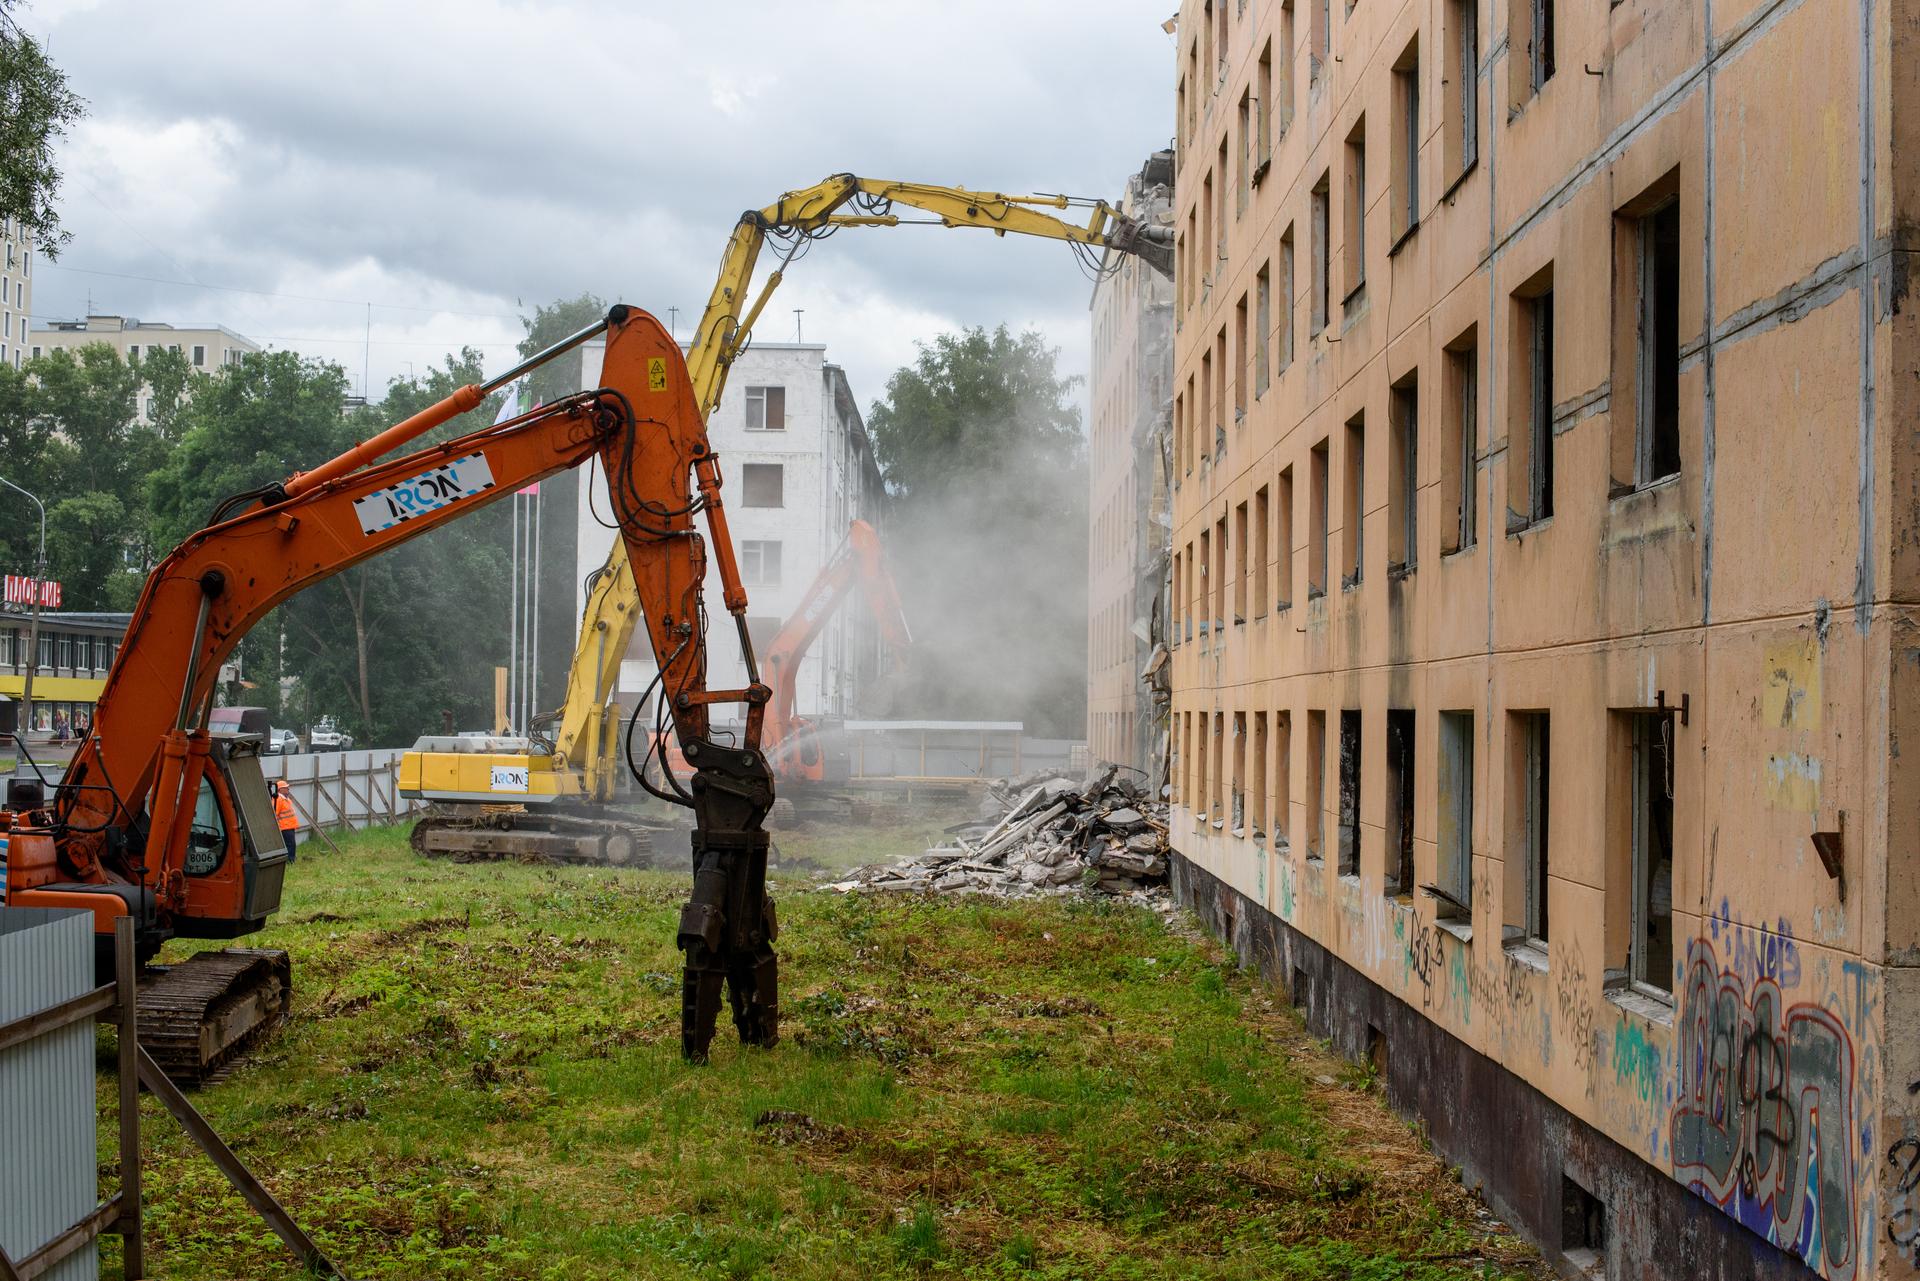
[283, 811]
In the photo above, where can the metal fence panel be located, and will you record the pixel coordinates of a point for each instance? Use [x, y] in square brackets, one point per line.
[354, 789]
[48, 1177]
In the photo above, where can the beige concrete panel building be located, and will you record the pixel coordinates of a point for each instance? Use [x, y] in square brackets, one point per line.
[206, 347]
[1129, 453]
[1546, 543]
[16, 291]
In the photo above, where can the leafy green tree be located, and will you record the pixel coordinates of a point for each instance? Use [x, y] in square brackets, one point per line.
[69, 426]
[981, 446]
[35, 109]
[87, 546]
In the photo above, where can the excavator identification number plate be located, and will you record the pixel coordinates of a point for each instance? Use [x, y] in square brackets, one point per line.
[429, 491]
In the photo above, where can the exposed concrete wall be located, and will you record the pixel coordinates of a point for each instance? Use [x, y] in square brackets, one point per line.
[1130, 453]
[1523, 1163]
[1724, 1009]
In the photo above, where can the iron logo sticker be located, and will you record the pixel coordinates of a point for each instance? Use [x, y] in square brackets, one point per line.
[429, 491]
[509, 778]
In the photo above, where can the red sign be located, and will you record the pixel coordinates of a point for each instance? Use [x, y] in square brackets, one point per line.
[20, 591]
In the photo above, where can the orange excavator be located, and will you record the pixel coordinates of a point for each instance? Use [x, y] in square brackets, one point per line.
[795, 745]
[163, 820]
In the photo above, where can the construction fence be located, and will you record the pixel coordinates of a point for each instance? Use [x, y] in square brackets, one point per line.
[344, 789]
[950, 751]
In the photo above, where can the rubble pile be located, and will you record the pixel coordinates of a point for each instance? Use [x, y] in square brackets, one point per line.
[1049, 832]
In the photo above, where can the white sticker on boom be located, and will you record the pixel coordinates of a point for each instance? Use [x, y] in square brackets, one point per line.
[509, 778]
[429, 491]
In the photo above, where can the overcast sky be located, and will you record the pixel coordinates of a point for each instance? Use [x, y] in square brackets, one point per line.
[455, 162]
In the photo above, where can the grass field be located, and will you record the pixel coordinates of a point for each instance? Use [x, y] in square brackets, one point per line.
[482, 1080]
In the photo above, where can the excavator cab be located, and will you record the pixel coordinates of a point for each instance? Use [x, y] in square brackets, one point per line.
[234, 851]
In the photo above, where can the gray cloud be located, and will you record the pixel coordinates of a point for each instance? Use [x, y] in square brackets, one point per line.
[464, 158]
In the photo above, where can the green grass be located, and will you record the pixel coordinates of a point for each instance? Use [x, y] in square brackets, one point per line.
[482, 1080]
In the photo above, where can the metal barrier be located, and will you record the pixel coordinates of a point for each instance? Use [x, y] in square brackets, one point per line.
[355, 789]
[947, 751]
[120, 1213]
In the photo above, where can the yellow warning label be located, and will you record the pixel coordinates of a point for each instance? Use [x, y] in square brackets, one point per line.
[657, 374]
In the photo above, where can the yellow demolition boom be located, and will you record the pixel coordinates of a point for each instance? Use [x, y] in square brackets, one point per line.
[585, 759]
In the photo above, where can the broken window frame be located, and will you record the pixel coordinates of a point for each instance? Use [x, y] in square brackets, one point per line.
[754, 562]
[1352, 745]
[1404, 475]
[1257, 816]
[1283, 533]
[1453, 875]
[771, 402]
[1533, 746]
[1319, 536]
[1354, 247]
[1402, 806]
[1316, 786]
[1463, 360]
[774, 474]
[1353, 498]
[1320, 304]
[1260, 541]
[1263, 328]
[1405, 147]
[1651, 797]
[1657, 416]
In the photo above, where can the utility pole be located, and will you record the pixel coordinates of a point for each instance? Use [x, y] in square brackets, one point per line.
[33, 625]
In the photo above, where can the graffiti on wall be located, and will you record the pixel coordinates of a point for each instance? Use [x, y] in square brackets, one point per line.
[1765, 1123]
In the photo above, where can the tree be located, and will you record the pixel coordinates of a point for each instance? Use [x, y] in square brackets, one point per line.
[35, 109]
[981, 447]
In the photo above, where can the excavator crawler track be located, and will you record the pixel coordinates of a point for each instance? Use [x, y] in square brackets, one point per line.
[201, 1015]
[537, 838]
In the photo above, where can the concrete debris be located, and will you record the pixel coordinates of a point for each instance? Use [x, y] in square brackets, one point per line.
[1049, 832]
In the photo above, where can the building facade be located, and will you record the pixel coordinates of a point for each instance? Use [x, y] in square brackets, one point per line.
[798, 469]
[16, 291]
[77, 648]
[206, 347]
[1129, 456]
[1545, 550]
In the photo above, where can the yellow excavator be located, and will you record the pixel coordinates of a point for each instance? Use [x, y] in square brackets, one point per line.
[541, 797]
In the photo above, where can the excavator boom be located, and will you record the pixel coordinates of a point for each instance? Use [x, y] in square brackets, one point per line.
[581, 739]
[155, 817]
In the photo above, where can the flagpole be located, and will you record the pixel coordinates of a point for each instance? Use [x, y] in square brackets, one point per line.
[513, 620]
[533, 664]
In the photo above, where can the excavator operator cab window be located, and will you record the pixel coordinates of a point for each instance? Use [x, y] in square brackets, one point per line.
[207, 838]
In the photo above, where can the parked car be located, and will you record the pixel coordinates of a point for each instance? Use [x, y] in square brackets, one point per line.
[282, 742]
[327, 736]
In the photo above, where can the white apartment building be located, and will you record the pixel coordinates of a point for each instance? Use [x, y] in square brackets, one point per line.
[797, 468]
[207, 347]
[16, 290]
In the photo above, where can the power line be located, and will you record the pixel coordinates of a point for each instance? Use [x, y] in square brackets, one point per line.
[269, 293]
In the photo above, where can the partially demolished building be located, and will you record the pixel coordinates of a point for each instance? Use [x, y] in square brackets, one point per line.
[1131, 457]
[1546, 533]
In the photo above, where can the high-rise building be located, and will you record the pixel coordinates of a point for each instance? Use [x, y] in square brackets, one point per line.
[1546, 535]
[798, 469]
[1132, 414]
[16, 290]
[206, 347]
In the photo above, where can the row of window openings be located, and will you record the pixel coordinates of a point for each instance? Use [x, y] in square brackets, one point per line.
[1642, 813]
[80, 653]
[1262, 117]
[1266, 114]
[1648, 433]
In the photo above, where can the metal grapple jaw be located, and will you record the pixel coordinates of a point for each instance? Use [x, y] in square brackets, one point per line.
[727, 926]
